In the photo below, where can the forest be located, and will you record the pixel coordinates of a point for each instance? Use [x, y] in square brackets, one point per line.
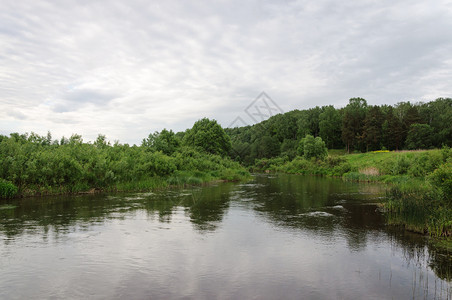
[357, 127]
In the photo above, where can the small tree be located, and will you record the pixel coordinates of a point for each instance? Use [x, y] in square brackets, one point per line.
[101, 141]
[312, 147]
[209, 136]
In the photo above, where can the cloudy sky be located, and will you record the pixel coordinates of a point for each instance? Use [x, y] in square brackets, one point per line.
[128, 68]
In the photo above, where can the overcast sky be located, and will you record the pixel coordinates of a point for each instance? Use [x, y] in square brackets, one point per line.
[128, 68]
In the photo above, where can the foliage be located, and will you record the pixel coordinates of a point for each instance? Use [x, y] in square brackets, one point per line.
[419, 136]
[311, 147]
[330, 122]
[36, 166]
[164, 141]
[420, 190]
[441, 178]
[208, 136]
[372, 131]
[356, 127]
[289, 148]
[353, 123]
[7, 189]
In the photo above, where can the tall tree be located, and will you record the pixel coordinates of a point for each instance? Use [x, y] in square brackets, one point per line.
[309, 122]
[419, 136]
[438, 114]
[407, 114]
[372, 130]
[330, 123]
[353, 123]
[392, 131]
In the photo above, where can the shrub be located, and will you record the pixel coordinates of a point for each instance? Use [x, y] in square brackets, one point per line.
[313, 147]
[442, 178]
[334, 161]
[401, 165]
[7, 189]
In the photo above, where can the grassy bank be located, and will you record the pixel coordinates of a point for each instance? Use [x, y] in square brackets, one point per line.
[420, 190]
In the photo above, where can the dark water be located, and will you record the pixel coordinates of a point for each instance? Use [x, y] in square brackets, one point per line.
[285, 237]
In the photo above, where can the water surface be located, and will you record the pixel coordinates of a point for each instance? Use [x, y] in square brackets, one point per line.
[287, 236]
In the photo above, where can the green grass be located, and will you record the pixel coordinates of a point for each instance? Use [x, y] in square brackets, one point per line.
[419, 182]
[336, 152]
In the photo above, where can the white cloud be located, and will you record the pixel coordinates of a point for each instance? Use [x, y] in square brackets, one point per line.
[128, 68]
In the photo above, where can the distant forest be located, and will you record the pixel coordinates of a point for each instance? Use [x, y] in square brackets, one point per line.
[355, 127]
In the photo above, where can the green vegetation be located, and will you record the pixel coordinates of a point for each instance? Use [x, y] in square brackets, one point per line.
[208, 136]
[420, 181]
[355, 127]
[294, 142]
[311, 147]
[36, 165]
[420, 191]
[7, 189]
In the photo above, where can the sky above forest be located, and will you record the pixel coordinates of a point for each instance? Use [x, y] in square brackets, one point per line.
[129, 68]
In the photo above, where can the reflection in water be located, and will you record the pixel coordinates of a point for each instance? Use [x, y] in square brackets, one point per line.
[301, 237]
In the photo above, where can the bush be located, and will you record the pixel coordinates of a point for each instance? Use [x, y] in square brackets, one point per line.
[7, 189]
[74, 166]
[313, 147]
[400, 166]
[442, 179]
[334, 161]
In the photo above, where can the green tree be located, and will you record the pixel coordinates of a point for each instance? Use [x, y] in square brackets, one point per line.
[266, 147]
[353, 123]
[101, 141]
[308, 123]
[408, 114]
[209, 136]
[412, 116]
[164, 141]
[330, 123]
[419, 136]
[312, 147]
[392, 131]
[438, 114]
[372, 130]
[283, 126]
[289, 148]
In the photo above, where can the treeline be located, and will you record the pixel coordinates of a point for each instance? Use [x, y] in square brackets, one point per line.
[356, 127]
[31, 164]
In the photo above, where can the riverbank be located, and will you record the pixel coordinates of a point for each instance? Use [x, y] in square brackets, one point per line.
[419, 194]
[30, 168]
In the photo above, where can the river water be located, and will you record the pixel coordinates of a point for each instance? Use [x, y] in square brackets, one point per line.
[274, 237]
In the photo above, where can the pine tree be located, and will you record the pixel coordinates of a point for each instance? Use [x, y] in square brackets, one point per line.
[353, 123]
[373, 128]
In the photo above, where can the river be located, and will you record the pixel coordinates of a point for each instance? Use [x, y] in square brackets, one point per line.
[274, 237]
